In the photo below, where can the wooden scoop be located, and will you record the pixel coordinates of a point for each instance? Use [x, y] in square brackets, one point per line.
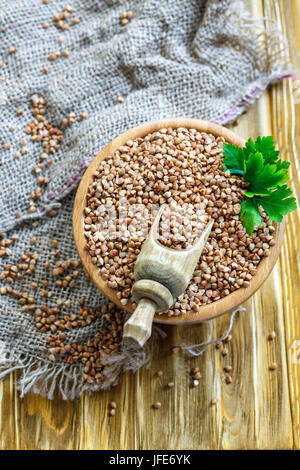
[161, 274]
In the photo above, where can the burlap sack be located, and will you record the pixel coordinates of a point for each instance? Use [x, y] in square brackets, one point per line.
[198, 58]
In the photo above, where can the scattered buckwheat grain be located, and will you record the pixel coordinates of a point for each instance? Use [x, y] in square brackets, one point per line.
[224, 352]
[126, 17]
[157, 405]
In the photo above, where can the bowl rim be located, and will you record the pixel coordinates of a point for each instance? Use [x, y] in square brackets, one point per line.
[206, 312]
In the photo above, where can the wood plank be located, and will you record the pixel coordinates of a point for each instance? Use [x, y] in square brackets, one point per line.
[8, 414]
[286, 119]
[47, 425]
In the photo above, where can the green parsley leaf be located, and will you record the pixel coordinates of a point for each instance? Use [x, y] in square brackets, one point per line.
[282, 164]
[277, 204]
[266, 146]
[262, 181]
[254, 166]
[249, 148]
[233, 159]
[250, 215]
[258, 162]
[263, 178]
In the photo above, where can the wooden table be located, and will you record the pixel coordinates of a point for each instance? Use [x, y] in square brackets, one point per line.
[260, 409]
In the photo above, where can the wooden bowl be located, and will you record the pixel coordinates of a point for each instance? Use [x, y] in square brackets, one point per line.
[205, 312]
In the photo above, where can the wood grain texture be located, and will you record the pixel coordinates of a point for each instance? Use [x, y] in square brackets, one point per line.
[260, 408]
[285, 118]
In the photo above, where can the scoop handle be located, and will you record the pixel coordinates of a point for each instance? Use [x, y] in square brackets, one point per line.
[162, 275]
[139, 325]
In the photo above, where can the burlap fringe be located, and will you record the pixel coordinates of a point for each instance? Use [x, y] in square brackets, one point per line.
[49, 379]
[66, 381]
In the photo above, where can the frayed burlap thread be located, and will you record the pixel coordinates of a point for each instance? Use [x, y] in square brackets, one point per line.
[198, 58]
